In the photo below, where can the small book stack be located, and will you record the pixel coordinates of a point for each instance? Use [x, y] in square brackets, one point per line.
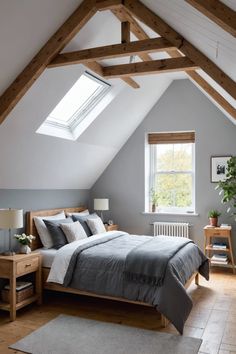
[219, 245]
[220, 259]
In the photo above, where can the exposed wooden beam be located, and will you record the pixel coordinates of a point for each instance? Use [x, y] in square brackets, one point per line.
[125, 38]
[148, 17]
[108, 4]
[111, 51]
[123, 15]
[149, 67]
[128, 80]
[125, 32]
[213, 93]
[56, 43]
[98, 69]
[95, 67]
[218, 12]
[137, 30]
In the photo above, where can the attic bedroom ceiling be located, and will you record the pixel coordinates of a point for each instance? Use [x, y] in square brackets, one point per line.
[29, 24]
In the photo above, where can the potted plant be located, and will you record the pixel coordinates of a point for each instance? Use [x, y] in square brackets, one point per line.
[154, 200]
[24, 241]
[228, 187]
[213, 217]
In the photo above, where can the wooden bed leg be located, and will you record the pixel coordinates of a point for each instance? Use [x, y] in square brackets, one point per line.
[164, 321]
[197, 279]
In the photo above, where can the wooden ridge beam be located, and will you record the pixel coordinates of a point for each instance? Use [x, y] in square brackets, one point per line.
[55, 44]
[148, 17]
[218, 12]
[111, 51]
[149, 67]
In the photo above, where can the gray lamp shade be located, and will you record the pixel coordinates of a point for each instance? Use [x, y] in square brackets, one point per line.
[11, 218]
[101, 204]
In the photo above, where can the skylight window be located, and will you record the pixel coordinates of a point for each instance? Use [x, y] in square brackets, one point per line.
[75, 106]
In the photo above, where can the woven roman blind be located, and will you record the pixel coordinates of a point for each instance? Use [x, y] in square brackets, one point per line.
[171, 138]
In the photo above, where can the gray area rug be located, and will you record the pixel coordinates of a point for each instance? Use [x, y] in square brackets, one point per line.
[74, 335]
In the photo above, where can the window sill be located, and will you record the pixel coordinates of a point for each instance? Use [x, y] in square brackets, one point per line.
[168, 213]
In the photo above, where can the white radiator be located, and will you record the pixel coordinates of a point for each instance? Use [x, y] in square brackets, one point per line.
[179, 229]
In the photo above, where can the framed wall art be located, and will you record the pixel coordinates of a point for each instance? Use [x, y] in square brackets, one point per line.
[219, 168]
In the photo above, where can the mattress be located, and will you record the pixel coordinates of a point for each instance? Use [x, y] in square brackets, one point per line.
[47, 256]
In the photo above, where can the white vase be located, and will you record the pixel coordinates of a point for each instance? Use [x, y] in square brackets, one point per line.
[25, 249]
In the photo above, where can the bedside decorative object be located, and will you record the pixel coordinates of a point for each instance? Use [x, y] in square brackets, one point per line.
[219, 168]
[101, 205]
[110, 222]
[213, 217]
[11, 219]
[24, 241]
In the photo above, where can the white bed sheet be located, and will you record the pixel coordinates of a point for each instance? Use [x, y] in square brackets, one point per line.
[48, 255]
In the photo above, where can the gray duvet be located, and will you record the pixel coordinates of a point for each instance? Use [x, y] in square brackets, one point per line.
[99, 266]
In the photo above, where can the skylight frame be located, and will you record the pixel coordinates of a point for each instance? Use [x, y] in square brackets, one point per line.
[82, 112]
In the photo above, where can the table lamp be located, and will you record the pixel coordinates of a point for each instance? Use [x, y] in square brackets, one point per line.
[101, 205]
[11, 219]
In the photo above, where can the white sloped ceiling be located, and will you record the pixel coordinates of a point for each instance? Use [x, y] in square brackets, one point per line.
[33, 161]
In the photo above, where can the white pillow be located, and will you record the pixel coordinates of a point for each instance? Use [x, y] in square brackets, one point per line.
[81, 213]
[74, 231]
[43, 232]
[96, 225]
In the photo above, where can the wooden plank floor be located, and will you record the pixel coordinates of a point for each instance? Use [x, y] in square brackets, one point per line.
[213, 317]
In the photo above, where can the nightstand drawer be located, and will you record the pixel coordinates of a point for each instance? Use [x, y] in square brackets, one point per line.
[27, 266]
[217, 233]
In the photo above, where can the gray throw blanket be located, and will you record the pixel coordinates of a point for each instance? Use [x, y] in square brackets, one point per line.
[80, 249]
[147, 263]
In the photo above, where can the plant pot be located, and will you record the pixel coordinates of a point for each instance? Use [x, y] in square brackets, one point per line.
[213, 221]
[25, 249]
[154, 207]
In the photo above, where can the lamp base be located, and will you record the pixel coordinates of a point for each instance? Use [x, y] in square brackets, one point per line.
[8, 253]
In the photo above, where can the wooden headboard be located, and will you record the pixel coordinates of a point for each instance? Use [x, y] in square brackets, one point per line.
[30, 226]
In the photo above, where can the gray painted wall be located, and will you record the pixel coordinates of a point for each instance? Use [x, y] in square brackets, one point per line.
[182, 107]
[36, 200]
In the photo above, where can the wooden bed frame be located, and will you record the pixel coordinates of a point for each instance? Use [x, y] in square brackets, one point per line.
[31, 230]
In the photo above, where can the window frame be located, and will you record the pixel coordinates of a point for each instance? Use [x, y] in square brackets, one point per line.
[84, 116]
[152, 173]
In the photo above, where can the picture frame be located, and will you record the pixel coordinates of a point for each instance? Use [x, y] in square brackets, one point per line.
[219, 168]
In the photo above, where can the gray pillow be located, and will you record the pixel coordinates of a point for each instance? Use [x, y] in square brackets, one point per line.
[82, 220]
[58, 237]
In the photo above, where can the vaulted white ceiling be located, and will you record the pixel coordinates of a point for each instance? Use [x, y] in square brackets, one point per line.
[30, 160]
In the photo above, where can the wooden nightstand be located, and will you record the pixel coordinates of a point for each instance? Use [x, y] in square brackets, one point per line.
[111, 227]
[220, 233]
[12, 267]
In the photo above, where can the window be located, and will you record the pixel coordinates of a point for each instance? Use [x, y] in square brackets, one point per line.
[75, 106]
[171, 171]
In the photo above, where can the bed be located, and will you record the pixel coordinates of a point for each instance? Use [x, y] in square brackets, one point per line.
[169, 297]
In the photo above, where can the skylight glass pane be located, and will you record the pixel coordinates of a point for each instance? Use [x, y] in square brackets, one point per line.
[75, 98]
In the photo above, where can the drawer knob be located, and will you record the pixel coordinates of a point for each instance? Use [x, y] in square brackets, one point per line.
[28, 265]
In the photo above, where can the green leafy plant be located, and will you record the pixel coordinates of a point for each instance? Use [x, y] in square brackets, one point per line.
[214, 213]
[154, 197]
[25, 239]
[228, 187]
